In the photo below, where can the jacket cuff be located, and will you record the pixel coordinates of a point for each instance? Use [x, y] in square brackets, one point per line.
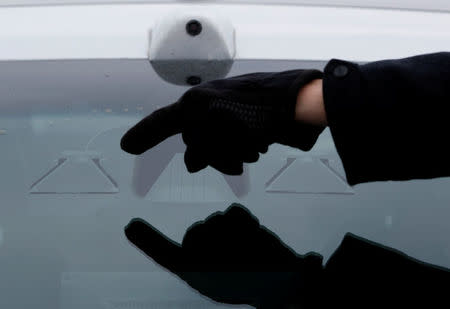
[345, 108]
[389, 118]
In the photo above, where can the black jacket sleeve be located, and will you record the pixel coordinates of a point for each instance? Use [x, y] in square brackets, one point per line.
[389, 118]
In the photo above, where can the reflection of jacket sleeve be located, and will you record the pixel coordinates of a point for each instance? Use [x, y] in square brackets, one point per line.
[363, 274]
[389, 118]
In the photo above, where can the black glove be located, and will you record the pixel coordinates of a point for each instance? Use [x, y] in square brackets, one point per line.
[229, 121]
[231, 259]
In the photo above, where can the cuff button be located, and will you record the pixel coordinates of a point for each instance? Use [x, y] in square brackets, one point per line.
[340, 71]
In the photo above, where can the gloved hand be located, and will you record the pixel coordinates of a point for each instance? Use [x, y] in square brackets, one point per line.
[229, 121]
[231, 259]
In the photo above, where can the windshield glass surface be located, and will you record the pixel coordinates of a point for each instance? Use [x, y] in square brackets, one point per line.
[68, 190]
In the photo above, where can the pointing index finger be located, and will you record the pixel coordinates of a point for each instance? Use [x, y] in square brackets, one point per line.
[153, 129]
[155, 245]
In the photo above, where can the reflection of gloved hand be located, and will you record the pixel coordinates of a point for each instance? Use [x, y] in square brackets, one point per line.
[230, 258]
[229, 121]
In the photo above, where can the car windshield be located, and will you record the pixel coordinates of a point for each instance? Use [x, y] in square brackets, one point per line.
[68, 190]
